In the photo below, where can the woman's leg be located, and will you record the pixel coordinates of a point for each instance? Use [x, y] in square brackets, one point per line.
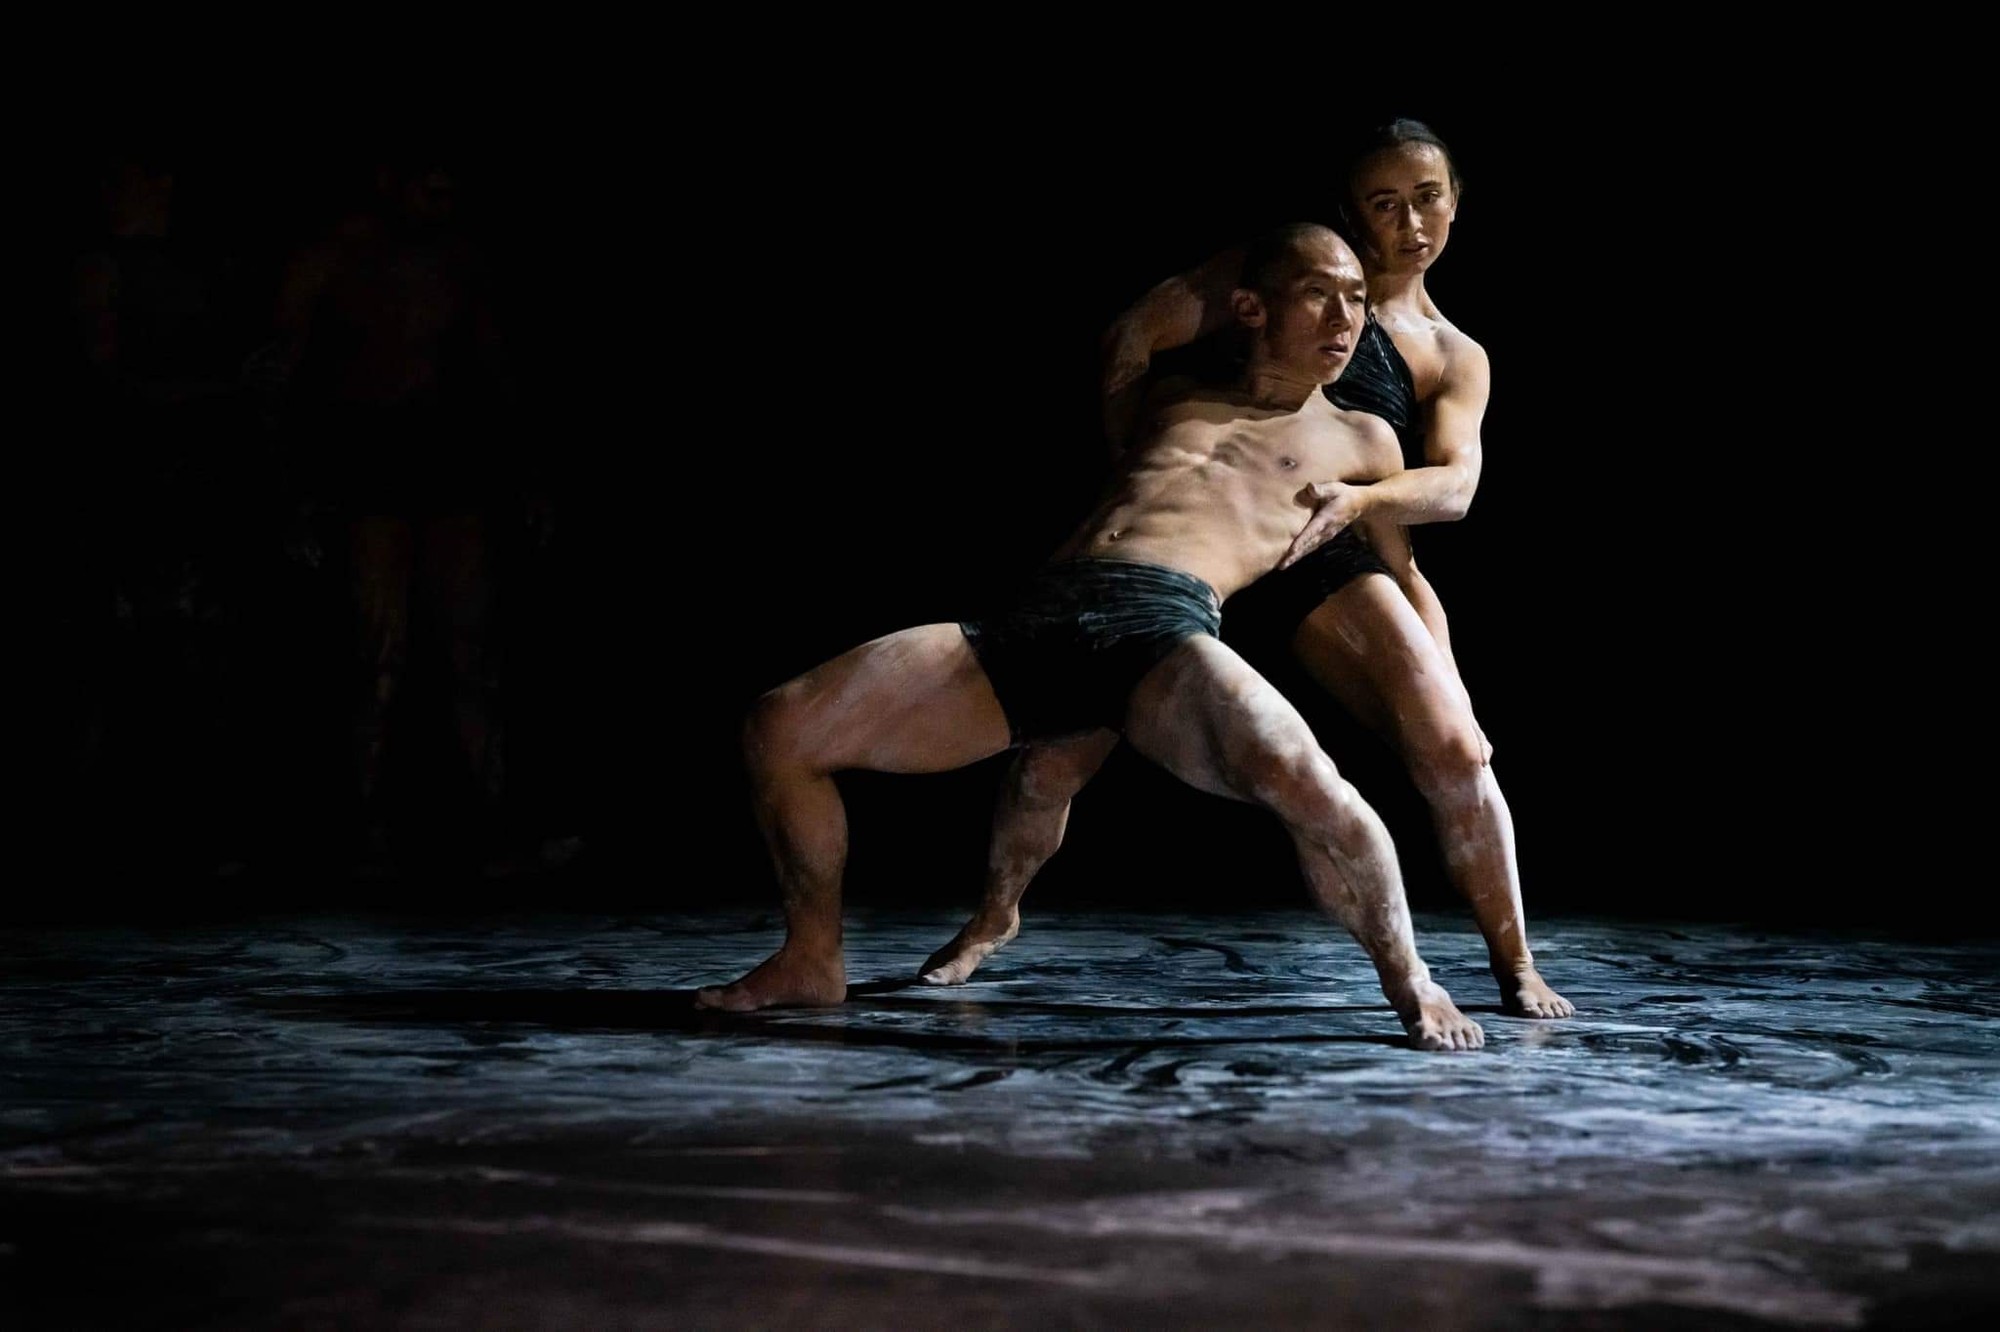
[1366, 646]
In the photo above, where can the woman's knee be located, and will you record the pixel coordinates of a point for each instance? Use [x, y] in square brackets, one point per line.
[1447, 758]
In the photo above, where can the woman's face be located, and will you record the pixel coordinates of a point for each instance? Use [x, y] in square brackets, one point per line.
[1405, 203]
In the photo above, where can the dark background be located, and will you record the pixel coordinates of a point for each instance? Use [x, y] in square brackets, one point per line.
[799, 379]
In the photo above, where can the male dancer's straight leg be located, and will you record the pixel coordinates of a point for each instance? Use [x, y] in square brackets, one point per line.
[1367, 647]
[1028, 822]
[915, 701]
[1211, 720]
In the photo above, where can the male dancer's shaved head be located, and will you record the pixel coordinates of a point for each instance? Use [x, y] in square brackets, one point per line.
[1275, 257]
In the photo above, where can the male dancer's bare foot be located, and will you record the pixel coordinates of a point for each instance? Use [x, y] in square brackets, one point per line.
[982, 936]
[1434, 1022]
[789, 978]
[1525, 994]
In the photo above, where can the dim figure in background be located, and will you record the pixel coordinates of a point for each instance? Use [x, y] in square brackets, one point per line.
[389, 351]
[168, 515]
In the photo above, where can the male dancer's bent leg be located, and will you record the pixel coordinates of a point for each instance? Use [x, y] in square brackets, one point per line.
[915, 701]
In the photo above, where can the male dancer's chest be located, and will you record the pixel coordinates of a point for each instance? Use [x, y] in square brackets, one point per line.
[1283, 451]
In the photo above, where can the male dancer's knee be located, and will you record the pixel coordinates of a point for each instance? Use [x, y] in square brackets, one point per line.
[777, 735]
[1301, 785]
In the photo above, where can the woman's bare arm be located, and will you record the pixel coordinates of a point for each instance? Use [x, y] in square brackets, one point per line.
[1441, 490]
[1185, 307]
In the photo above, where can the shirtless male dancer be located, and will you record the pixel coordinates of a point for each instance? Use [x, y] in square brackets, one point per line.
[1118, 631]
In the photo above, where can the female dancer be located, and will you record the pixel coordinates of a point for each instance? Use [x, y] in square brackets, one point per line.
[1374, 637]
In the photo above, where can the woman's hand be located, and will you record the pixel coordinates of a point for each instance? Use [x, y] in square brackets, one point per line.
[1336, 505]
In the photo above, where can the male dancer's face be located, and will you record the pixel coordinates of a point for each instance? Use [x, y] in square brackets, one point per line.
[1313, 314]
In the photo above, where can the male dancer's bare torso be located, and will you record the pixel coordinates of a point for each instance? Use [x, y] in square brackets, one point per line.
[1214, 490]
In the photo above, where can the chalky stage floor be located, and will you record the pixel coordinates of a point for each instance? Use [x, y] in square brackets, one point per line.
[1123, 1121]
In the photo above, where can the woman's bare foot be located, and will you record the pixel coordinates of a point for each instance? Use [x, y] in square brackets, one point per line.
[789, 978]
[1433, 1020]
[982, 936]
[1524, 993]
